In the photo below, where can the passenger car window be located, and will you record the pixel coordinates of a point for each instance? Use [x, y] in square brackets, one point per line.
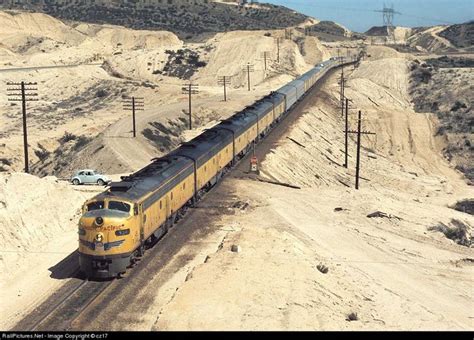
[121, 206]
[95, 206]
[81, 173]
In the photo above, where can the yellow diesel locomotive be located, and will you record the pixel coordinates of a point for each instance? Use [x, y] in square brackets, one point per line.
[117, 224]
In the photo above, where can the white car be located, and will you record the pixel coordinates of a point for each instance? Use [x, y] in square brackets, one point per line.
[88, 176]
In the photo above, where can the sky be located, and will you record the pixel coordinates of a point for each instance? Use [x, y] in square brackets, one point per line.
[359, 15]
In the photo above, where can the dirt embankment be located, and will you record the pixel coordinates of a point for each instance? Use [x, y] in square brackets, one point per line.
[444, 86]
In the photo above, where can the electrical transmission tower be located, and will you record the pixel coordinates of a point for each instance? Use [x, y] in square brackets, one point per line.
[190, 89]
[134, 104]
[23, 92]
[388, 13]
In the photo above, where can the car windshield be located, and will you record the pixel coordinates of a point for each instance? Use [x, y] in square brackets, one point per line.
[95, 206]
[121, 206]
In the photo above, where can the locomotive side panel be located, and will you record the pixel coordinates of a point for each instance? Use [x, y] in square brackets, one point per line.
[206, 171]
[225, 156]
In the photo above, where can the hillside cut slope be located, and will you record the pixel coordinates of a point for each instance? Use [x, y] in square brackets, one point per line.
[461, 36]
[185, 18]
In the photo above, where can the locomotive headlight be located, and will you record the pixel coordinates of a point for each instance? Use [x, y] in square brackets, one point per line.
[99, 221]
[99, 237]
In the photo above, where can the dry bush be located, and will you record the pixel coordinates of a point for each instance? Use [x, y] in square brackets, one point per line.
[459, 232]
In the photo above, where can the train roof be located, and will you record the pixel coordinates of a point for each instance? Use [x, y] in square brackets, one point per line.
[148, 179]
[238, 122]
[204, 146]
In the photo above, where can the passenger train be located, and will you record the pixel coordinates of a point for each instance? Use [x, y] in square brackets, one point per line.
[116, 225]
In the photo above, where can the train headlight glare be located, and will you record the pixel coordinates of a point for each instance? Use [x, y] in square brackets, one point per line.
[99, 237]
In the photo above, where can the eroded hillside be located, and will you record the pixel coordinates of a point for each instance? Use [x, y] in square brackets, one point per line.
[444, 86]
[187, 19]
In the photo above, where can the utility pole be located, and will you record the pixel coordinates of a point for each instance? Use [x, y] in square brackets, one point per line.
[342, 86]
[359, 134]
[224, 80]
[190, 89]
[24, 92]
[134, 104]
[278, 49]
[265, 56]
[250, 68]
[346, 136]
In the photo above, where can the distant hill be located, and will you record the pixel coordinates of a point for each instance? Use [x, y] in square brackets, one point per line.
[186, 18]
[461, 36]
[377, 31]
[330, 31]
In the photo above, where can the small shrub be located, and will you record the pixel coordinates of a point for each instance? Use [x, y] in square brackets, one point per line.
[459, 233]
[352, 317]
[42, 154]
[101, 93]
[67, 137]
[466, 206]
[5, 161]
[458, 105]
[81, 141]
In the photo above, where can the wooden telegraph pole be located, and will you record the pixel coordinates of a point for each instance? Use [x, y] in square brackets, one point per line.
[23, 92]
[190, 89]
[224, 80]
[346, 136]
[250, 68]
[134, 104]
[278, 49]
[342, 87]
[359, 133]
[265, 57]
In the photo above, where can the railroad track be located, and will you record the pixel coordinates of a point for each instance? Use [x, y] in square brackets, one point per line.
[64, 306]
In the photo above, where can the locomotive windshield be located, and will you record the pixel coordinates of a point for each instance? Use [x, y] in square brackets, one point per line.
[95, 206]
[121, 206]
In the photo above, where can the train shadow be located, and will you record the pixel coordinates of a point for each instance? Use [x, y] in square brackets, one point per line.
[67, 268]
